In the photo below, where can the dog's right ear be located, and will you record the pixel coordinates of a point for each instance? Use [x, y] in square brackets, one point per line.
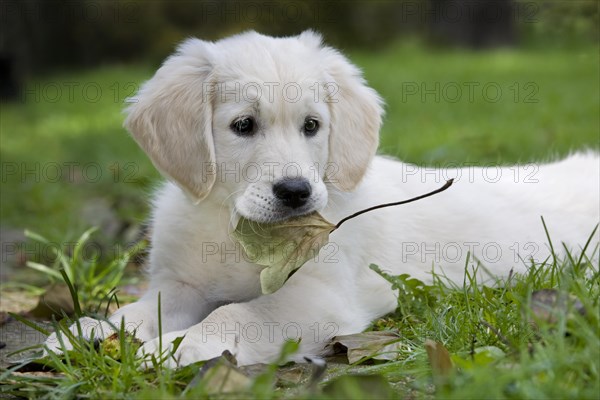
[171, 119]
[356, 112]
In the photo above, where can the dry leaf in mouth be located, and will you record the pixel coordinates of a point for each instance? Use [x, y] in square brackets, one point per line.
[283, 247]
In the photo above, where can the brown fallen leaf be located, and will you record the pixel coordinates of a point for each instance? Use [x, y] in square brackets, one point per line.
[549, 305]
[54, 302]
[221, 375]
[377, 345]
[224, 378]
[44, 374]
[293, 375]
[439, 358]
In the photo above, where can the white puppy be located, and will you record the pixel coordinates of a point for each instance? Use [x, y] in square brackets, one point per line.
[269, 128]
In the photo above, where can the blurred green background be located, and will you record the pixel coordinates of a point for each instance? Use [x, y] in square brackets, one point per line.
[464, 81]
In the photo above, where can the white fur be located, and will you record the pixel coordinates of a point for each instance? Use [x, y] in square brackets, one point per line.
[211, 293]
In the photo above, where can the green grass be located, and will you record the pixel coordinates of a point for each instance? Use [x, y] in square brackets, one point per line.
[547, 103]
[60, 150]
[487, 330]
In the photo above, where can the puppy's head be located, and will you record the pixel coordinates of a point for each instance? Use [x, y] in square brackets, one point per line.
[273, 121]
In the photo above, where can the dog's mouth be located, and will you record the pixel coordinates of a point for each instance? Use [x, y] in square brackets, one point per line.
[266, 205]
[276, 214]
[290, 213]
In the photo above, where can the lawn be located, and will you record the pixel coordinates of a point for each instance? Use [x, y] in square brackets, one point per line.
[64, 145]
[64, 148]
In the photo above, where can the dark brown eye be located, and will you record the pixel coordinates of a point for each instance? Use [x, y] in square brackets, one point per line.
[243, 126]
[311, 126]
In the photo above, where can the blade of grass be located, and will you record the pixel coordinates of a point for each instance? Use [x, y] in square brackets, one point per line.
[159, 326]
[83, 239]
[74, 295]
[552, 252]
[23, 350]
[587, 243]
[29, 323]
[44, 269]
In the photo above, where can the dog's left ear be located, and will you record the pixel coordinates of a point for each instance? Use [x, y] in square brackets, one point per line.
[171, 119]
[356, 113]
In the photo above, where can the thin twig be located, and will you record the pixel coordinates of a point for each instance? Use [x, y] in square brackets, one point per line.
[397, 203]
[492, 328]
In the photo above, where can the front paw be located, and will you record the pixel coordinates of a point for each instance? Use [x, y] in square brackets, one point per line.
[86, 328]
[178, 349]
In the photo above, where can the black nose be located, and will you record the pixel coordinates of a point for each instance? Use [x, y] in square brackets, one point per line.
[293, 193]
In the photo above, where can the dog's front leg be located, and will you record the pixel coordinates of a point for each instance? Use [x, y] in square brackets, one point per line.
[254, 331]
[181, 307]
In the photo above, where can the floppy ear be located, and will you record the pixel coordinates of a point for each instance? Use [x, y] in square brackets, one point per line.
[171, 119]
[356, 112]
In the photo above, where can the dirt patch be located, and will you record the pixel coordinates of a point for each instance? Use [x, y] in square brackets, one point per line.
[16, 336]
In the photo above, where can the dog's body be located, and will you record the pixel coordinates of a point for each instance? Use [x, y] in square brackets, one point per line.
[209, 289]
